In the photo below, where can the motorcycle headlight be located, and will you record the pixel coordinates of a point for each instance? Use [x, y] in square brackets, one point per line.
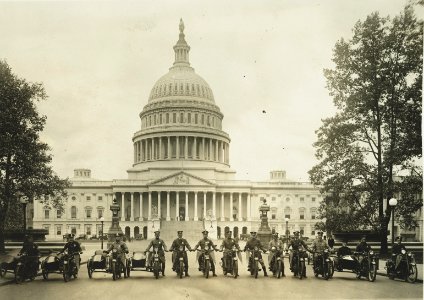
[273, 248]
[256, 248]
[181, 248]
[403, 251]
[206, 248]
[409, 254]
[156, 249]
[326, 251]
[371, 252]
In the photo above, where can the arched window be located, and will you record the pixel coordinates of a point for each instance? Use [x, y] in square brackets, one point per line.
[73, 212]
[288, 199]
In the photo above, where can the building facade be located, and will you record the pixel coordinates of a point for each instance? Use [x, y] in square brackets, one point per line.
[181, 176]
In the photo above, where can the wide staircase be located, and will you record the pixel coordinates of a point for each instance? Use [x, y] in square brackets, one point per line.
[192, 230]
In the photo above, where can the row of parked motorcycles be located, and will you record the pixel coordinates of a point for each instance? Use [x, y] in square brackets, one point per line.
[26, 267]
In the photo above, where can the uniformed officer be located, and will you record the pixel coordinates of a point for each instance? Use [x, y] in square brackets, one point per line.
[318, 246]
[157, 242]
[176, 244]
[362, 248]
[227, 246]
[202, 243]
[295, 244]
[121, 249]
[251, 244]
[31, 249]
[278, 244]
[396, 251]
[74, 249]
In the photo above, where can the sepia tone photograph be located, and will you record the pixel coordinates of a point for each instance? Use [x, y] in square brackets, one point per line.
[211, 149]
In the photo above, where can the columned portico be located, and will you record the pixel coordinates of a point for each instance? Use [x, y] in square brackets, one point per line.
[195, 207]
[168, 216]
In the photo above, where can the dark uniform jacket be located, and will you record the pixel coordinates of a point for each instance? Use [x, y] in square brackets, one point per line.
[397, 248]
[202, 244]
[331, 243]
[157, 243]
[295, 244]
[30, 248]
[180, 242]
[254, 242]
[73, 247]
[363, 247]
[229, 243]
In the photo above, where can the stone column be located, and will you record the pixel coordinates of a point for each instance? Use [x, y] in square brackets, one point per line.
[231, 207]
[186, 205]
[160, 148]
[149, 209]
[195, 148]
[240, 218]
[203, 149]
[214, 204]
[159, 207]
[169, 147]
[186, 148]
[195, 207]
[123, 206]
[132, 207]
[139, 150]
[222, 207]
[145, 150]
[153, 149]
[178, 146]
[141, 207]
[249, 218]
[135, 152]
[204, 204]
[177, 206]
[210, 149]
[216, 158]
[168, 217]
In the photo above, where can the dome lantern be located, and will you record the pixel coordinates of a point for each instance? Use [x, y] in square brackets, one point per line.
[181, 49]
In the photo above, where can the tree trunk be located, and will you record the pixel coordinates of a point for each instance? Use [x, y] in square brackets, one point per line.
[2, 248]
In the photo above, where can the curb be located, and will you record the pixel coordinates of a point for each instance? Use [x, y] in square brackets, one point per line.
[385, 275]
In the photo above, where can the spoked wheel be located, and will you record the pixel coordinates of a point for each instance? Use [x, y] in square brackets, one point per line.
[19, 278]
[279, 269]
[235, 269]
[3, 271]
[156, 270]
[181, 270]
[66, 275]
[372, 272]
[114, 272]
[331, 265]
[256, 269]
[326, 271]
[128, 269]
[412, 277]
[301, 270]
[90, 271]
[207, 268]
[45, 274]
[124, 269]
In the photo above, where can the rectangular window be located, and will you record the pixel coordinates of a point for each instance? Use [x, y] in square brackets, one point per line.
[302, 230]
[88, 198]
[88, 230]
[203, 119]
[195, 119]
[273, 216]
[99, 213]
[188, 117]
[47, 227]
[46, 214]
[287, 216]
[100, 198]
[302, 216]
[302, 199]
[58, 214]
[273, 198]
[313, 216]
[174, 118]
[167, 117]
[313, 232]
[160, 119]
[88, 213]
[313, 199]
[58, 230]
[181, 118]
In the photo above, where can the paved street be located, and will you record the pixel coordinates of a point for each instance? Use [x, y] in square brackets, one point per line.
[143, 284]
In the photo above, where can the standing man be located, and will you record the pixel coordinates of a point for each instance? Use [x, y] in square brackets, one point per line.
[176, 244]
[202, 244]
[278, 244]
[160, 244]
[330, 241]
[396, 251]
[74, 249]
[250, 245]
[121, 248]
[31, 249]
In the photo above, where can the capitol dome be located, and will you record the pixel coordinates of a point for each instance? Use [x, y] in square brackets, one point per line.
[181, 126]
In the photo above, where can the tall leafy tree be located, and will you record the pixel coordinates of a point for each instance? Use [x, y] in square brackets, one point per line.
[376, 132]
[24, 159]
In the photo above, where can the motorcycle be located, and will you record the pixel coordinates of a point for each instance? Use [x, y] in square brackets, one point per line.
[277, 263]
[117, 266]
[205, 260]
[368, 266]
[98, 263]
[179, 263]
[70, 267]
[254, 261]
[298, 264]
[53, 263]
[230, 262]
[155, 262]
[406, 270]
[323, 265]
[25, 268]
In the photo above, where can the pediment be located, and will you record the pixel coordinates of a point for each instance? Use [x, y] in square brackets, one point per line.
[181, 179]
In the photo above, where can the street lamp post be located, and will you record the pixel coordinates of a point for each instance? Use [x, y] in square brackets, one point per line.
[393, 203]
[101, 237]
[24, 201]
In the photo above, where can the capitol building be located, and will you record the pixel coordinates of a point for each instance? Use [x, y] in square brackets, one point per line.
[181, 178]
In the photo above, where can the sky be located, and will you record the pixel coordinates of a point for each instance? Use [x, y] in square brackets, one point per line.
[99, 60]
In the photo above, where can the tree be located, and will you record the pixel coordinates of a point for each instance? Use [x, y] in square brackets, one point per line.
[376, 132]
[24, 160]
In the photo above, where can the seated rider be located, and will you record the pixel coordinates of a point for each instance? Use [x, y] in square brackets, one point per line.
[319, 245]
[121, 249]
[157, 242]
[202, 244]
[74, 249]
[344, 250]
[227, 246]
[396, 251]
[176, 244]
[295, 244]
[278, 244]
[31, 249]
[362, 248]
[250, 245]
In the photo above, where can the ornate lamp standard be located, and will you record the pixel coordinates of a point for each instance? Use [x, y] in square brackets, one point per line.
[101, 236]
[393, 203]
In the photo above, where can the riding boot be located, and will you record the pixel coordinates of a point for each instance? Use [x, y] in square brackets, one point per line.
[264, 268]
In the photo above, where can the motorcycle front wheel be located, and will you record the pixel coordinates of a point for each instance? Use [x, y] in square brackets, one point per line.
[156, 269]
[181, 270]
[279, 269]
[66, 275]
[301, 269]
[19, 276]
[372, 273]
[207, 268]
[235, 269]
[326, 271]
[412, 277]
[256, 269]
[114, 271]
